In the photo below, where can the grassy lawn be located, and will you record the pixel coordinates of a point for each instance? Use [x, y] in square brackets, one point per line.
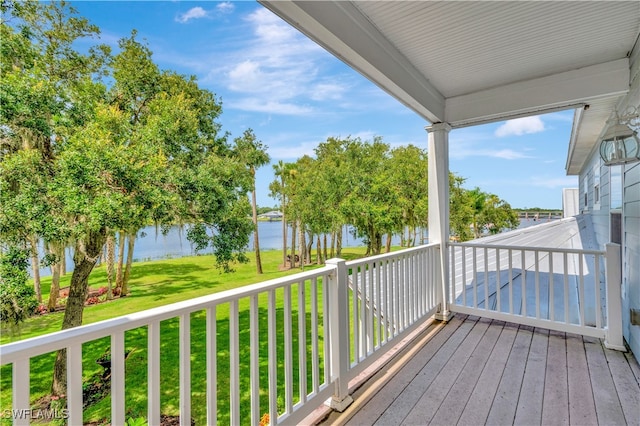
[158, 283]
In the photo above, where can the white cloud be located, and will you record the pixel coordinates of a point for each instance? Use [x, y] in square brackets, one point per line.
[520, 126]
[292, 151]
[327, 91]
[278, 66]
[193, 13]
[476, 146]
[225, 7]
[272, 107]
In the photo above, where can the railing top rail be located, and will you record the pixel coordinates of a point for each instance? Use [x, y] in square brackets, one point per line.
[384, 256]
[528, 248]
[61, 339]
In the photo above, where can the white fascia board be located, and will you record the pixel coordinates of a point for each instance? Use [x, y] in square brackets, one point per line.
[573, 140]
[570, 89]
[341, 29]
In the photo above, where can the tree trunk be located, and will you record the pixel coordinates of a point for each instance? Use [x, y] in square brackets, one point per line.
[256, 240]
[85, 256]
[111, 254]
[56, 272]
[324, 248]
[63, 260]
[333, 244]
[303, 244]
[131, 242]
[292, 260]
[284, 232]
[388, 248]
[119, 268]
[339, 243]
[319, 251]
[35, 265]
[309, 247]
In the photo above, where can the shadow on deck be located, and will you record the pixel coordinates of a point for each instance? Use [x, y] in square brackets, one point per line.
[474, 371]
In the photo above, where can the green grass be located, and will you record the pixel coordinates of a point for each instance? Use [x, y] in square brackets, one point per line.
[159, 283]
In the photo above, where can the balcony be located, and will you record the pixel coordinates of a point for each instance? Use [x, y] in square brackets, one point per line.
[314, 338]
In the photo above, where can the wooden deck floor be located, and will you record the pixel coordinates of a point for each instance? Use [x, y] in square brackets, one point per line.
[475, 371]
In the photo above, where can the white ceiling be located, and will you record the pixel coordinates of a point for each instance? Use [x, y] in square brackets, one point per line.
[470, 62]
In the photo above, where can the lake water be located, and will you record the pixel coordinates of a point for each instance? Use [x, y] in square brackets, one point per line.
[152, 245]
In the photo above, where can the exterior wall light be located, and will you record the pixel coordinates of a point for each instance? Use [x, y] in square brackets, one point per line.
[620, 143]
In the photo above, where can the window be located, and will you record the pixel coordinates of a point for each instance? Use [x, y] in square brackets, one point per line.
[585, 191]
[615, 192]
[596, 186]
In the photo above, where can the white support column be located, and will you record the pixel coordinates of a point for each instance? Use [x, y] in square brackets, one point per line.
[439, 208]
[613, 339]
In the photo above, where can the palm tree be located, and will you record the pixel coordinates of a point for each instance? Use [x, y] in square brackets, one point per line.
[253, 154]
[277, 188]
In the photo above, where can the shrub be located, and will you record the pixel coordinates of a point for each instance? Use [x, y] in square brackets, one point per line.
[92, 300]
[17, 297]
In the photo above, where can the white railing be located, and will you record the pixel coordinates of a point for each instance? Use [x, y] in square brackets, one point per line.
[558, 289]
[308, 335]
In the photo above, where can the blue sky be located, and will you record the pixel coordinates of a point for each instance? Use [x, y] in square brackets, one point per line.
[294, 95]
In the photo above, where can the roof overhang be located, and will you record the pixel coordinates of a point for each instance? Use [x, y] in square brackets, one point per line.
[468, 63]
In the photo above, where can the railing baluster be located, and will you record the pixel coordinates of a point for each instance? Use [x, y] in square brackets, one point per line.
[302, 341]
[596, 283]
[356, 295]
[21, 390]
[378, 306]
[288, 352]
[273, 359]
[523, 264]
[254, 344]
[486, 278]
[498, 283]
[384, 314]
[327, 329]
[552, 310]
[566, 287]
[510, 254]
[371, 341]
[153, 373]
[212, 370]
[475, 277]
[185, 369]
[117, 378]
[537, 266]
[74, 384]
[463, 256]
[314, 336]
[581, 300]
[395, 273]
[452, 273]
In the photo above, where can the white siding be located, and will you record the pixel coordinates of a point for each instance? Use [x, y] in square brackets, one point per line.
[631, 253]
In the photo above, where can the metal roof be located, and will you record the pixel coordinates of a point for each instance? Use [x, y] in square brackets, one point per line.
[470, 62]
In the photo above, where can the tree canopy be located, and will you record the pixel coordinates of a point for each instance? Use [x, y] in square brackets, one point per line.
[95, 142]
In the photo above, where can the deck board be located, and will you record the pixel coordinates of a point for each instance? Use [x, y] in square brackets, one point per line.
[376, 406]
[625, 383]
[529, 410]
[412, 393]
[555, 406]
[453, 405]
[431, 399]
[478, 371]
[608, 407]
[477, 407]
[582, 410]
